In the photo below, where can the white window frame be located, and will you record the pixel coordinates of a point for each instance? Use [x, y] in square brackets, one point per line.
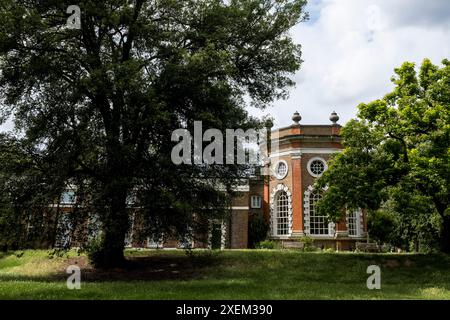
[64, 231]
[130, 233]
[358, 223]
[307, 216]
[223, 239]
[155, 244]
[277, 165]
[317, 222]
[256, 202]
[73, 199]
[308, 167]
[281, 228]
[273, 197]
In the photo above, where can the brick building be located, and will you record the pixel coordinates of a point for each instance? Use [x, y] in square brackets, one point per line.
[286, 198]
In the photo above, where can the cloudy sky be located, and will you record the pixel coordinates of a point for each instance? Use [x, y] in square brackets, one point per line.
[350, 48]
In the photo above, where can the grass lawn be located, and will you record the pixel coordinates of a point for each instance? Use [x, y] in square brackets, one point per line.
[259, 274]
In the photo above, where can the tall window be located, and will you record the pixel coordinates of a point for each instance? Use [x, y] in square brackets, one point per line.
[256, 202]
[282, 214]
[318, 223]
[352, 223]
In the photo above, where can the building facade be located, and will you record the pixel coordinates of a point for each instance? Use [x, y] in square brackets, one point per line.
[286, 199]
[302, 157]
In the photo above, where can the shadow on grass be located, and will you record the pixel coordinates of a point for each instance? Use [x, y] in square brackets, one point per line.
[261, 266]
[158, 267]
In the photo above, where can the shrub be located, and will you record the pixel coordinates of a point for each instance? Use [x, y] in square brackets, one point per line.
[268, 244]
[381, 225]
[257, 229]
[308, 243]
[95, 251]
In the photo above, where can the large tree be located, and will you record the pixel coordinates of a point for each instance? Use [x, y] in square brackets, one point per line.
[398, 149]
[98, 104]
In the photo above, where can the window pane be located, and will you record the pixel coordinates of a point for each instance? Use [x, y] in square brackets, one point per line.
[317, 167]
[318, 223]
[352, 223]
[68, 197]
[282, 169]
[256, 201]
[282, 214]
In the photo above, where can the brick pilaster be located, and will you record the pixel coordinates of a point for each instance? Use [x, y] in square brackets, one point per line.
[266, 200]
[335, 130]
[297, 196]
[341, 228]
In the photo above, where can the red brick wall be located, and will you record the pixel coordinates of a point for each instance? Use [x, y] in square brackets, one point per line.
[239, 229]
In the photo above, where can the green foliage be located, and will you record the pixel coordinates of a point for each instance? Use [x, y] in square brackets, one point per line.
[258, 229]
[416, 220]
[95, 251]
[57, 253]
[381, 226]
[268, 244]
[307, 243]
[398, 149]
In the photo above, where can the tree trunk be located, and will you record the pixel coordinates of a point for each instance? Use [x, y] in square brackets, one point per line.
[416, 245]
[445, 237]
[115, 227]
[115, 219]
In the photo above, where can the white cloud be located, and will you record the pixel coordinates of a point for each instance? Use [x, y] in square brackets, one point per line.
[351, 48]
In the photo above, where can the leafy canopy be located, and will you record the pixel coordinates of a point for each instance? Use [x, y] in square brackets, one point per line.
[96, 107]
[401, 141]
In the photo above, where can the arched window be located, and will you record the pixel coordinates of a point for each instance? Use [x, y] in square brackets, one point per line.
[318, 223]
[282, 214]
